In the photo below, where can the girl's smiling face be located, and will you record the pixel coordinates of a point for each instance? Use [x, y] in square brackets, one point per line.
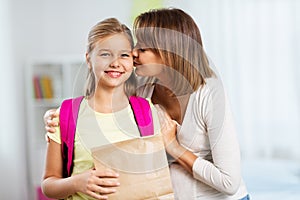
[111, 61]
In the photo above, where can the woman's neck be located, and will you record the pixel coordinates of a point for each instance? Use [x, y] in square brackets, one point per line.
[165, 80]
[174, 82]
[174, 105]
[108, 101]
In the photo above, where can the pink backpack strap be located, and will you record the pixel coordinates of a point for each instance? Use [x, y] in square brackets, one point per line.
[68, 119]
[143, 115]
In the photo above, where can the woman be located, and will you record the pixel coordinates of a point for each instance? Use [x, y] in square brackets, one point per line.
[198, 127]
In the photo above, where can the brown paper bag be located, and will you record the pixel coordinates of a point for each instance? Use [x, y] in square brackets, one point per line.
[142, 165]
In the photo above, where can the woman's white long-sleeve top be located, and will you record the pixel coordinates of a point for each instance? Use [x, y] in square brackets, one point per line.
[209, 132]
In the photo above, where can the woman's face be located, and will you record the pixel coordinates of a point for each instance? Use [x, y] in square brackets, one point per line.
[111, 61]
[147, 62]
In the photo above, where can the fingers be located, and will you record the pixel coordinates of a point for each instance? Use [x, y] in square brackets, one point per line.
[168, 128]
[100, 192]
[50, 129]
[97, 184]
[105, 184]
[97, 195]
[108, 173]
[50, 125]
[107, 178]
[49, 121]
[50, 114]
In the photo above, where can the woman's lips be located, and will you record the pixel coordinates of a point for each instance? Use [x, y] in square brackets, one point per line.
[136, 64]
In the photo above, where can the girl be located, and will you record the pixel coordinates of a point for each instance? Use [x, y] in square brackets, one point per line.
[109, 84]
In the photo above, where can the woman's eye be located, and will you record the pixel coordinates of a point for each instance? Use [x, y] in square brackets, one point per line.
[142, 50]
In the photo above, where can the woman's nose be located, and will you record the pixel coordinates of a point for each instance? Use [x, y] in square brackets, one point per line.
[135, 53]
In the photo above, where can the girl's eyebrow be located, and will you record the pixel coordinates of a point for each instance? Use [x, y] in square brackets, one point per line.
[122, 50]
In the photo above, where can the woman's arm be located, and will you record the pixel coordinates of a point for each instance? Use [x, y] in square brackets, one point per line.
[223, 173]
[94, 183]
[178, 152]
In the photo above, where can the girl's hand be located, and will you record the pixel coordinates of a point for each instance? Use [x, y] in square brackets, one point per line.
[97, 184]
[49, 122]
[168, 128]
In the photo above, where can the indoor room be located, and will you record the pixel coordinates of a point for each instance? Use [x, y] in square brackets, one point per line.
[253, 45]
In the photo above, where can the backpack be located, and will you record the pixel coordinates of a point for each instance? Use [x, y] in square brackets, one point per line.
[68, 119]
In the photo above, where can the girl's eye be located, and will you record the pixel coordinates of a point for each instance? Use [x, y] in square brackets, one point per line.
[105, 54]
[125, 55]
[142, 50]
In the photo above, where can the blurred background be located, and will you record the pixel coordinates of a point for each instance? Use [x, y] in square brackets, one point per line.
[254, 45]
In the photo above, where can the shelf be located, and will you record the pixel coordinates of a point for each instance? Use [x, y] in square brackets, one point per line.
[48, 82]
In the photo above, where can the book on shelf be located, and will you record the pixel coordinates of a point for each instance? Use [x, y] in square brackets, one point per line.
[43, 87]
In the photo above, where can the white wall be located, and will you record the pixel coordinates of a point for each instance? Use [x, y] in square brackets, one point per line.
[255, 46]
[13, 165]
[12, 146]
[60, 27]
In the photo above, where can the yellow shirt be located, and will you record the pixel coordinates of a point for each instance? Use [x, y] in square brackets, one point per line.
[95, 129]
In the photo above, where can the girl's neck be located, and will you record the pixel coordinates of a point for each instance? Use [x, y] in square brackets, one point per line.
[108, 101]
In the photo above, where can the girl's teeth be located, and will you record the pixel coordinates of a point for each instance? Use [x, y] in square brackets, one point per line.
[114, 74]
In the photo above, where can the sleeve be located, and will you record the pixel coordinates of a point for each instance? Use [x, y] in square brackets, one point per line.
[55, 136]
[223, 173]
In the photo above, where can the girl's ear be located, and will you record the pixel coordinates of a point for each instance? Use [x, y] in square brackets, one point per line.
[88, 62]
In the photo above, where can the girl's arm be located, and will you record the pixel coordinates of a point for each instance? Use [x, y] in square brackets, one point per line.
[94, 183]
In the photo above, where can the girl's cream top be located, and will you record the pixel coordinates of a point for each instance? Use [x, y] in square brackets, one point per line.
[95, 129]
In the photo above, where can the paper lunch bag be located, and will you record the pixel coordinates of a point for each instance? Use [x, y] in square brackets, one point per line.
[142, 165]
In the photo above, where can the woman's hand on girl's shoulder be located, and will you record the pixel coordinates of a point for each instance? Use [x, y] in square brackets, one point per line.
[50, 124]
